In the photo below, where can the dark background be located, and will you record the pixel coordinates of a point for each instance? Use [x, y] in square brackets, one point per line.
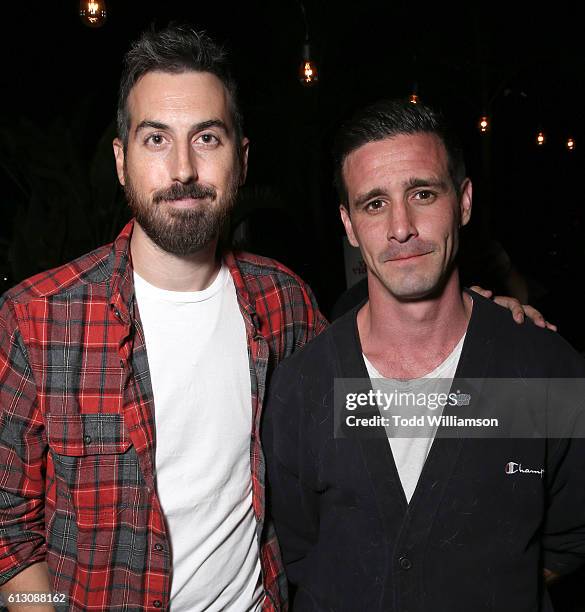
[521, 65]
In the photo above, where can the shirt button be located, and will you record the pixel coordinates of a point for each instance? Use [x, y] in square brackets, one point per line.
[158, 547]
[405, 563]
[87, 439]
[118, 316]
[157, 603]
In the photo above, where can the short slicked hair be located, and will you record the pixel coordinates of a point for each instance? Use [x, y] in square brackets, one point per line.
[389, 118]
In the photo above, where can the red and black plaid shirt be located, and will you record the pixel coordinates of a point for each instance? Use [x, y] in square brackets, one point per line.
[77, 436]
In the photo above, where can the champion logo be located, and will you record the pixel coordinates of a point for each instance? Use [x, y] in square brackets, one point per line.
[516, 468]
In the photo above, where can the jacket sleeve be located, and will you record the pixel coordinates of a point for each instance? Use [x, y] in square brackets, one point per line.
[291, 502]
[563, 538]
[563, 535]
[22, 455]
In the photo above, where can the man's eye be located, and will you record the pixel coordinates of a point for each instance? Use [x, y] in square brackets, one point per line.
[374, 205]
[155, 139]
[208, 139]
[424, 195]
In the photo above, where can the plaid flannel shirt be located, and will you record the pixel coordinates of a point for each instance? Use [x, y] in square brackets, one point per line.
[77, 435]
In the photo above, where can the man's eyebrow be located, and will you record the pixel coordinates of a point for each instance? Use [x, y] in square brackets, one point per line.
[196, 127]
[157, 125]
[415, 181]
[364, 197]
[204, 125]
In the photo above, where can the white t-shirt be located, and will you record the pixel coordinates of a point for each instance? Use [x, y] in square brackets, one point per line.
[410, 453]
[198, 361]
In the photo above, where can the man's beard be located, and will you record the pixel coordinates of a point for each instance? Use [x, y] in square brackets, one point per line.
[182, 231]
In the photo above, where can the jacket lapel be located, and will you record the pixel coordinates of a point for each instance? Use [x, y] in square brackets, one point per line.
[374, 446]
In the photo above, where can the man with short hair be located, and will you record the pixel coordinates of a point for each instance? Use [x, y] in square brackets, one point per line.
[379, 518]
[132, 379]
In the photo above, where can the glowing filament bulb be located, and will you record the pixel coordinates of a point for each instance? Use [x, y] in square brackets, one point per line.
[93, 13]
[308, 73]
[484, 125]
[570, 144]
[540, 139]
[413, 99]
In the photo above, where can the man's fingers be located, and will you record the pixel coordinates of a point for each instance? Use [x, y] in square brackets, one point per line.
[513, 305]
[537, 318]
[534, 315]
[486, 293]
[520, 311]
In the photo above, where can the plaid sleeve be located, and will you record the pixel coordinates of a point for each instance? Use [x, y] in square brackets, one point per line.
[319, 322]
[301, 314]
[22, 455]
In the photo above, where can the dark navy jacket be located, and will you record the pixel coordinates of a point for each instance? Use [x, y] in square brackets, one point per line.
[475, 536]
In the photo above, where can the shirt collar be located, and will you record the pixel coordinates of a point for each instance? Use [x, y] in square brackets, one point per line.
[247, 307]
[122, 286]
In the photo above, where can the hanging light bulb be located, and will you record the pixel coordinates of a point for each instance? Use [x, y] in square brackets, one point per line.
[570, 144]
[540, 139]
[308, 73]
[413, 99]
[484, 125]
[93, 13]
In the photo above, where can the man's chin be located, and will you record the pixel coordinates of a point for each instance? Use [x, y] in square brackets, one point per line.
[182, 248]
[181, 237]
[419, 291]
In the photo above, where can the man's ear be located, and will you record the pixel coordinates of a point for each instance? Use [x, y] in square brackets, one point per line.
[346, 219]
[465, 202]
[119, 155]
[244, 159]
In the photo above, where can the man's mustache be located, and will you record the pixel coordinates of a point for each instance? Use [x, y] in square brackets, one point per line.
[408, 249]
[180, 191]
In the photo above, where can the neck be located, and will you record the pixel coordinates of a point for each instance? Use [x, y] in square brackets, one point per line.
[164, 270]
[412, 337]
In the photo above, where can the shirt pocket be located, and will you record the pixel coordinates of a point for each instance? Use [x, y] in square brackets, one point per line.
[96, 466]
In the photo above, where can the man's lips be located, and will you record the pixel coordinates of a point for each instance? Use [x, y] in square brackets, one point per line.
[185, 202]
[405, 256]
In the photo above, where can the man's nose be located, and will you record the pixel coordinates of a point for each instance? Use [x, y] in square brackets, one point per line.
[401, 225]
[184, 164]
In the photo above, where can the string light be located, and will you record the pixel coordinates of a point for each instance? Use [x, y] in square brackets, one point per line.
[484, 124]
[414, 99]
[571, 144]
[93, 13]
[308, 73]
[540, 139]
